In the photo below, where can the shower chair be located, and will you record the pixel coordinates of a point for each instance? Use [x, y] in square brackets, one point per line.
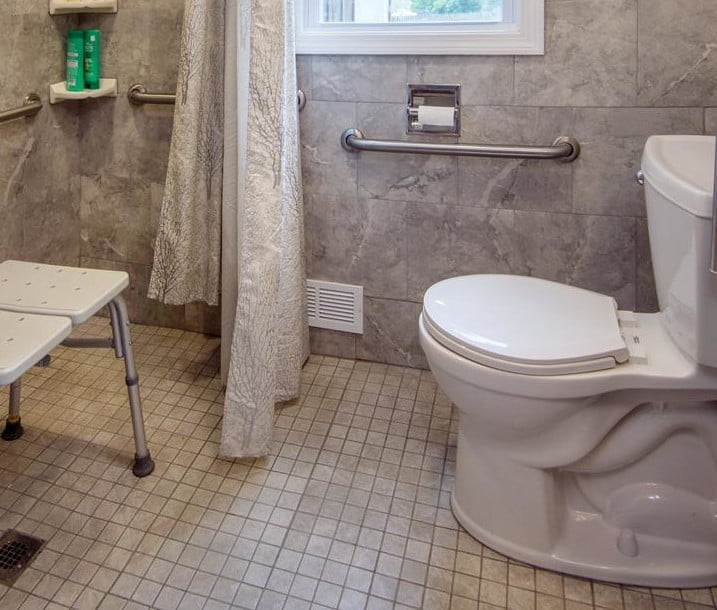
[39, 306]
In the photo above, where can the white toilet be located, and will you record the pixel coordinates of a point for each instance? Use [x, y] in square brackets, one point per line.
[587, 440]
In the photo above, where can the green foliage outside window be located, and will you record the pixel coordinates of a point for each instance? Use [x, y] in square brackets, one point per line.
[442, 7]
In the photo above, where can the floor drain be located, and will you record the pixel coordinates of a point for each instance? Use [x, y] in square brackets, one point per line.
[17, 550]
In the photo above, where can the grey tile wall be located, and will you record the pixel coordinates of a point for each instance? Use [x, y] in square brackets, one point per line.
[614, 72]
[82, 182]
[39, 156]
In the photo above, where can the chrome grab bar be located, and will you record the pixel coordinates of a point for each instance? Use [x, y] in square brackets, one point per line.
[138, 95]
[713, 262]
[30, 106]
[564, 148]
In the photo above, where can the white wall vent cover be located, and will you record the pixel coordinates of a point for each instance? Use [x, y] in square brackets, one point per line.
[335, 306]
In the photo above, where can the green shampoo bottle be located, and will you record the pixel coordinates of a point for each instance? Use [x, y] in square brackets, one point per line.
[92, 59]
[75, 61]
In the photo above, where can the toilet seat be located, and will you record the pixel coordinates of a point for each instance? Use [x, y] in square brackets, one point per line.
[525, 325]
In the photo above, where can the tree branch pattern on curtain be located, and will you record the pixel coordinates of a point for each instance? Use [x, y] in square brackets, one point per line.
[270, 339]
[234, 168]
[187, 250]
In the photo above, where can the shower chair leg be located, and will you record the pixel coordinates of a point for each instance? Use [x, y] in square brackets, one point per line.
[13, 427]
[143, 463]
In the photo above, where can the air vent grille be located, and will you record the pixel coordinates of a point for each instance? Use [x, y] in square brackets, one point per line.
[335, 306]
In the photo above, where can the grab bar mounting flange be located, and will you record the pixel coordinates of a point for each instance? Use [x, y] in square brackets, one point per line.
[31, 105]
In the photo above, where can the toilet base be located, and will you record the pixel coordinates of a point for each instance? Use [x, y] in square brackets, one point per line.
[575, 542]
[613, 482]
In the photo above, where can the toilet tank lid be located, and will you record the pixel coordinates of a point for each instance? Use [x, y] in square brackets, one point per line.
[682, 168]
[525, 319]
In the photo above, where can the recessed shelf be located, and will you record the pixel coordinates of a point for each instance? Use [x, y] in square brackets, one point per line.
[63, 7]
[59, 92]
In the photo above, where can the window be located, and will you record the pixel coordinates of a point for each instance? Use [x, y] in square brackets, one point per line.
[426, 27]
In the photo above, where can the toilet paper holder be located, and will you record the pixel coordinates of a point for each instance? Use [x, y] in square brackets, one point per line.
[427, 109]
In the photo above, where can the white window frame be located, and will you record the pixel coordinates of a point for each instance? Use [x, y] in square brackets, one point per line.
[524, 36]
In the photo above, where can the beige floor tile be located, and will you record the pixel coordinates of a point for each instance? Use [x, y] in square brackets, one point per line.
[351, 509]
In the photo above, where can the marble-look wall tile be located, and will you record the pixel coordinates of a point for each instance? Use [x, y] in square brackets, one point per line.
[391, 333]
[396, 177]
[339, 344]
[140, 45]
[711, 121]
[50, 226]
[677, 53]
[21, 7]
[33, 53]
[594, 252]
[611, 141]
[39, 156]
[518, 184]
[384, 121]
[139, 143]
[484, 80]
[116, 217]
[366, 78]
[45, 170]
[358, 241]
[11, 233]
[327, 169]
[646, 293]
[445, 241]
[590, 56]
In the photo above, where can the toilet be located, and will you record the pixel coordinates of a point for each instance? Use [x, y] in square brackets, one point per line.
[587, 438]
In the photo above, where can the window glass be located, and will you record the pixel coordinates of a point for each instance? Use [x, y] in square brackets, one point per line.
[411, 11]
[421, 27]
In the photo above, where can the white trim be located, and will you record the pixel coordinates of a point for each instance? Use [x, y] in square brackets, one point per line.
[525, 37]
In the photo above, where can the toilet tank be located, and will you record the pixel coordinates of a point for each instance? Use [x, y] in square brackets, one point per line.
[679, 182]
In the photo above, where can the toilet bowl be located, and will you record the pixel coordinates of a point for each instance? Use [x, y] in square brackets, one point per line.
[587, 437]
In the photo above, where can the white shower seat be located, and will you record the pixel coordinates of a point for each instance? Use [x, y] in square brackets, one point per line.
[25, 339]
[57, 290]
[53, 299]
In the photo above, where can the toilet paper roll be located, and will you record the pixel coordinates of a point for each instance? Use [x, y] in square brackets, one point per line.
[436, 115]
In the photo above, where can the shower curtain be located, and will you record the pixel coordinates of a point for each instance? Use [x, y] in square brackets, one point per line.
[187, 250]
[264, 324]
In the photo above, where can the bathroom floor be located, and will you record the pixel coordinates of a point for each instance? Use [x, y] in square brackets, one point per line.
[351, 510]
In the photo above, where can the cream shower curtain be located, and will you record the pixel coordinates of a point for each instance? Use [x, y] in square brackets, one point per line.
[187, 250]
[264, 325]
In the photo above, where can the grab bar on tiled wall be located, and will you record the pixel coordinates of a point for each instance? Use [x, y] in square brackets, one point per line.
[137, 94]
[564, 149]
[30, 106]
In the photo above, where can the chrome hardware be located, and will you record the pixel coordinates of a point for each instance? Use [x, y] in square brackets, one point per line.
[31, 105]
[436, 96]
[640, 177]
[137, 94]
[565, 149]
